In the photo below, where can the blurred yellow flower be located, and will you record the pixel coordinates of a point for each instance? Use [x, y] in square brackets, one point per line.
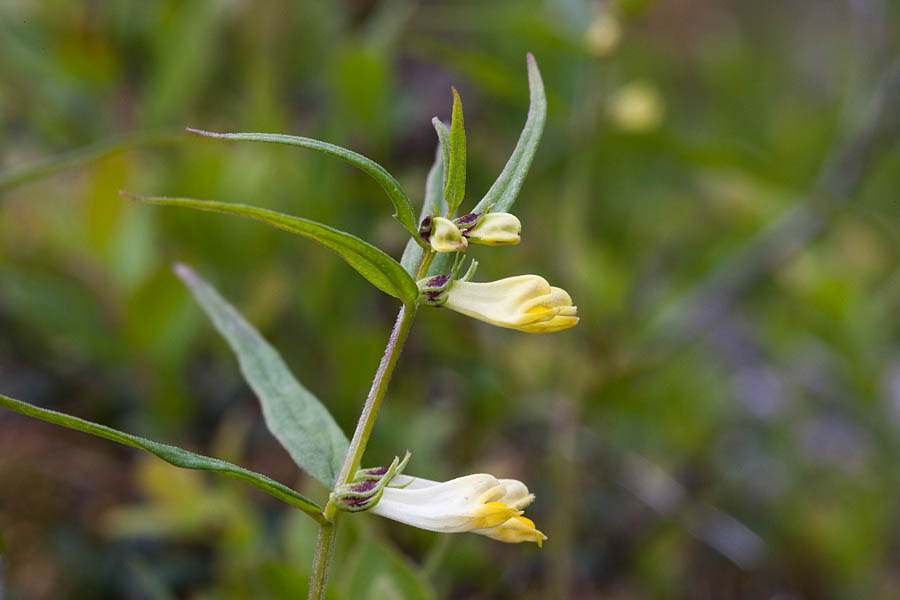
[478, 503]
[636, 107]
[602, 35]
[525, 302]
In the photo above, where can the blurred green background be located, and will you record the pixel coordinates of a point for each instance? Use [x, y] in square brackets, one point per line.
[717, 188]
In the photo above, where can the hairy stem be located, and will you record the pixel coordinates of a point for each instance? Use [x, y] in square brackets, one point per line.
[322, 562]
[373, 402]
[424, 264]
[327, 532]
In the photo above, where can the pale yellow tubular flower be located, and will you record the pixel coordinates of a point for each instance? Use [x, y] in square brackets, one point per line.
[525, 302]
[445, 236]
[477, 503]
[496, 229]
[461, 504]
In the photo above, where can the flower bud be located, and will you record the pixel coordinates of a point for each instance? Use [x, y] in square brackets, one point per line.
[433, 288]
[495, 229]
[366, 489]
[445, 236]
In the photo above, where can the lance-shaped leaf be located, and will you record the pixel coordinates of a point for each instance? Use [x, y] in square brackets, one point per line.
[171, 454]
[444, 146]
[434, 201]
[294, 416]
[372, 263]
[402, 206]
[505, 189]
[455, 185]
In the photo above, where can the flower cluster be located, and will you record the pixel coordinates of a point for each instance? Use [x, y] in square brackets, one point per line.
[525, 302]
[478, 503]
[490, 229]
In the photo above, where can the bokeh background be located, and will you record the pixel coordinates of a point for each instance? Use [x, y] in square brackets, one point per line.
[718, 187]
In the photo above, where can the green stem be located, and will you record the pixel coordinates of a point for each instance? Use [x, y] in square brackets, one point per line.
[424, 264]
[327, 531]
[322, 562]
[373, 402]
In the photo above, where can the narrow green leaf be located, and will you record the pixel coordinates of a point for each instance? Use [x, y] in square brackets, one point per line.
[434, 187]
[294, 416]
[171, 454]
[402, 205]
[434, 200]
[505, 189]
[444, 144]
[372, 263]
[455, 185]
[87, 154]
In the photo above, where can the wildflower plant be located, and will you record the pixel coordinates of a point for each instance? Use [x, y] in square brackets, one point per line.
[430, 273]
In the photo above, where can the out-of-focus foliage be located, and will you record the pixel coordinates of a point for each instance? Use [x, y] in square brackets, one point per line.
[687, 439]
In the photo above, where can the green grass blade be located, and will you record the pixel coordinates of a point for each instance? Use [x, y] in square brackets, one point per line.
[384, 272]
[455, 184]
[402, 205]
[505, 189]
[294, 415]
[171, 454]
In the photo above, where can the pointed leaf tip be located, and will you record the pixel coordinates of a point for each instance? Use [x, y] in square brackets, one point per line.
[403, 210]
[455, 185]
[297, 419]
[371, 262]
[171, 454]
[506, 188]
[444, 140]
[181, 269]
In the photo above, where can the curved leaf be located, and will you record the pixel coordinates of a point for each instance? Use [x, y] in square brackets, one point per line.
[505, 189]
[171, 454]
[372, 263]
[444, 145]
[455, 175]
[294, 415]
[434, 201]
[402, 205]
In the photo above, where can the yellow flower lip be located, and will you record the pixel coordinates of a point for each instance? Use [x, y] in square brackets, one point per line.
[516, 530]
[492, 514]
[524, 302]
